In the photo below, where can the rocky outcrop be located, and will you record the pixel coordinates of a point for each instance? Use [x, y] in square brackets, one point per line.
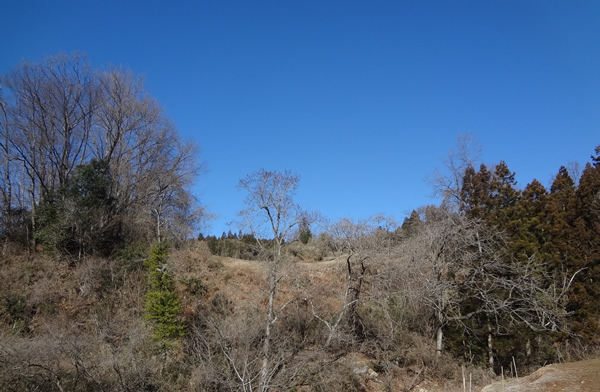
[582, 376]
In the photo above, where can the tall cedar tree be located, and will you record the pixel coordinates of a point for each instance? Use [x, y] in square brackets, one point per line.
[559, 247]
[528, 227]
[559, 230]
[586, 239]
[490, 196]
[530, 223]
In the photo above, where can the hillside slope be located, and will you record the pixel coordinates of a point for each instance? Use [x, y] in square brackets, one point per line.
[81, 327]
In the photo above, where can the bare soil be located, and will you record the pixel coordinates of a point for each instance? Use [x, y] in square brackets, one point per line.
[581, 376]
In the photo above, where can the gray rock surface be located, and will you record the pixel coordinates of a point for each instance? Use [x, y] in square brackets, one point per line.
[582, 376]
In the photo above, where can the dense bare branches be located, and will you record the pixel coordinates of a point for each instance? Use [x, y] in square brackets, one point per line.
[363, 243]
[460, 269]
[51, 117]
[448, 183]
[61, 114]
[271, 209]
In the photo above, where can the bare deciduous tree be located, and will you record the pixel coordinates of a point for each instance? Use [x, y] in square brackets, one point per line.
[52, 116]
[61, 114]
[463, 270]
[359, 242]
[6, 178]
[153, 166]
[448, 184]
[271, 209]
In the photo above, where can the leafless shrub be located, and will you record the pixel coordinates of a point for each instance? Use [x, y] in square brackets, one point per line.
[26, 364]
[191, 261]
[225, 346]
[105, 351]
[309, 252]
[95, 276]
[323, 372]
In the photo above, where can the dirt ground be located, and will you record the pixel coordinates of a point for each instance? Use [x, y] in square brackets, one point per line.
[582, 376]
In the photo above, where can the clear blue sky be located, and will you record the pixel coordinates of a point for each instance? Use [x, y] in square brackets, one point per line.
[363, 99]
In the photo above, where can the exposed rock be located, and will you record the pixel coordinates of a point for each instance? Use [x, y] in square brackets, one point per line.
[582, 376]
[360, 364]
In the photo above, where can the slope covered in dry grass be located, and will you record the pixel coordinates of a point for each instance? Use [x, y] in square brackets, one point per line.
[80, 326]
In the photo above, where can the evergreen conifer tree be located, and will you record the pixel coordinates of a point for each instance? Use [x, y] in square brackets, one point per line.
[586, 239]
[162, 305]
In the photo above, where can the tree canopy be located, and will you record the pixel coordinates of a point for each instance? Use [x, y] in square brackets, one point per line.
[76, 136]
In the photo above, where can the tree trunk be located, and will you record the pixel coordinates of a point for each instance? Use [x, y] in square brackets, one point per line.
[441, 321]
[490, 347]
[439, 341]
[33, 227]
[355, 280]
[8, 190]
[158, 238]
[264, 370]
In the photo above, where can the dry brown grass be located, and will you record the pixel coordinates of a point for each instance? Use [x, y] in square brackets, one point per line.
[84, 323]
[244, 282]
[82, 330]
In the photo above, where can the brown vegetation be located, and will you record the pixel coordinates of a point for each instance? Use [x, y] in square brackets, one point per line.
[81, 328]
[494, 278]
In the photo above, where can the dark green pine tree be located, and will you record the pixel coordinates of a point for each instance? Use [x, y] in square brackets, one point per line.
[559, 248]
[162, 305]
[412, 224]
[527, 226]
[586, 234]
[563, 190]
[490, 196]
[80, 217]
[504, 197]
[522, 218]
[304, 233]
[475, 193]
[587, 200]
